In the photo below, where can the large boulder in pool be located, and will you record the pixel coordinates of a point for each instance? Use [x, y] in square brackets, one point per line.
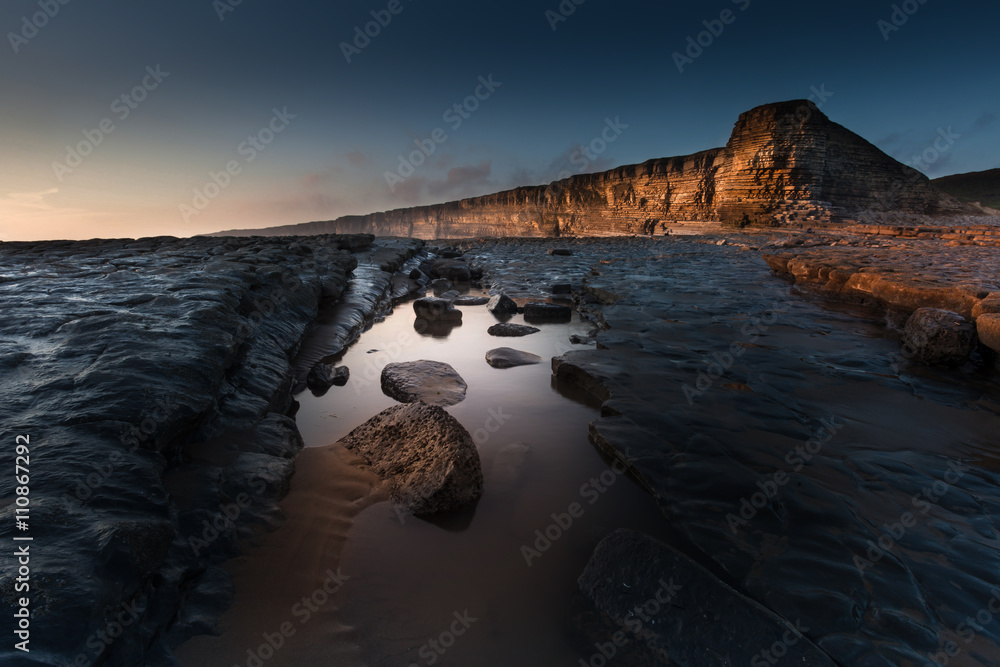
[655, 604]
[433, 382]
[939, 337]
[427, 458]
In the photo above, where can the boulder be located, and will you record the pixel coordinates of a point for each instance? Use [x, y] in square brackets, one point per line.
[323, 376]
[432, 382]
[455, 270]
[939, 337]
[564, 252]
[991, 304]
[506, 357]
[688, 616]
[426, 457]
[988, 328]
[416, 274]
[440, 286]
[509, 330]
[537, 310]
[434, 309]
[502, 305]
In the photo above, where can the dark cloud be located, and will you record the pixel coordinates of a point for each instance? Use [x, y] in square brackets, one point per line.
[463, 181]
[984, 121]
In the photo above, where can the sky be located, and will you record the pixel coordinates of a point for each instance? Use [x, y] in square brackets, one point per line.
[127, 119]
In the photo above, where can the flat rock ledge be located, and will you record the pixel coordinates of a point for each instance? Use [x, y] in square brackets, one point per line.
[660, 606]
[433, 382]
[507, 357]
[510, 330]
[426, 457]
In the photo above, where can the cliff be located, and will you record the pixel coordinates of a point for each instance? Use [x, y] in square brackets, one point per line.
[784, 163]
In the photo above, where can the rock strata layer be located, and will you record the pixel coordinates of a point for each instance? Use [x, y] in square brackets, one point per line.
[785, 163]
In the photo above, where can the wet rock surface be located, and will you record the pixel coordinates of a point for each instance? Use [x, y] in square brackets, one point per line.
[324, 376]
[805, 459]
[436, 309]
[501, 305]
[939, 336]
[511, 330]
[432, 382]
[632, 578]
[153, 377]
[427, 458]
[546, 312]
[506, 357]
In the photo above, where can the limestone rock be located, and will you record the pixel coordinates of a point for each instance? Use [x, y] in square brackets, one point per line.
[428, 459]
[991, 304]
[435, 309]
[690, 617]
[506, 357]
[547, 311]
[508, 330]
[431, 382]
[988, 328]
[939, 336]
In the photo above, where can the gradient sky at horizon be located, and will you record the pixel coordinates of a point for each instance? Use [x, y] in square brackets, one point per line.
[353, 120]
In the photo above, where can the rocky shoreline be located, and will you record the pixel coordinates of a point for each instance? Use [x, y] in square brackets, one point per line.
[154, 377]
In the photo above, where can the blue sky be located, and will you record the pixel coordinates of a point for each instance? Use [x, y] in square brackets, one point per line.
[226, 76]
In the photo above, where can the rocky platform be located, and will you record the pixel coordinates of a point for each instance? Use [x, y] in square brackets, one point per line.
[801, 458]
[154, 379]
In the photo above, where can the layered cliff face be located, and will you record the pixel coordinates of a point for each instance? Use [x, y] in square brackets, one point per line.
[784, 163]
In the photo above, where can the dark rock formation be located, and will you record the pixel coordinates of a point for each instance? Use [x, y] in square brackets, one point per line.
[153, 377]
[506, 357]
[547, 312]
[939, 337]
[508, 330]
[661, 604]
[436, 309]
[502, 305]
[471, 301]
[323, 376]
[432, 382]
[428, 459]
[784, 163]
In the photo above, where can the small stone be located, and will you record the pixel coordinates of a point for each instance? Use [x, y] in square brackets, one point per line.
[323, 376]
[432, 382]
[506, 357]
[472, 300]
[509, 330]
[561, 252]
